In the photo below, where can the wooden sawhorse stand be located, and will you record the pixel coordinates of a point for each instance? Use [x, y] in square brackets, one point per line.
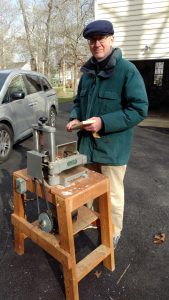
[61, 247]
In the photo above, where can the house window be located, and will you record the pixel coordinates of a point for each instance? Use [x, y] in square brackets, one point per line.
[158, 74]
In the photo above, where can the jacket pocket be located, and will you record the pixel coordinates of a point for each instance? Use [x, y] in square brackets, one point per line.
[113, 148]
[108, 102]
[108, 95]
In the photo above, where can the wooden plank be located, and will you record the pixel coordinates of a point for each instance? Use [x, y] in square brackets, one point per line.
[82, 124]
[81, 192]
[67, 243]
[85, 217]
[19, 241]
[93, 185]
[107, 229]
[45, 240]
[67, 175]
[18, 210]
[91, 261]
[92, 191]
[71, 284]
[78, 186]
[35, 223]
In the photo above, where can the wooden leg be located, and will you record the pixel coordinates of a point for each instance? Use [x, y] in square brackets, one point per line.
[19, 211]
[106, 228]
[19, 242]
[71, 284]
[67, 243]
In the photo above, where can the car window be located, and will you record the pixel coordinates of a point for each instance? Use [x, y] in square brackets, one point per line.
[17, 85]
[46, 85]
[33, 83]
[3, 77]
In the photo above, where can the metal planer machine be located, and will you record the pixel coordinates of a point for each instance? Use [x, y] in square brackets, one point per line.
[52, 164]
[55, 164]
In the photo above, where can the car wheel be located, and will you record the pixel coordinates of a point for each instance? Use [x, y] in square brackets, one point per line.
[6, 142]
[52, 117]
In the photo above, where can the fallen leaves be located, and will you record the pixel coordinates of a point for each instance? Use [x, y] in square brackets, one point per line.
[159, 238]
[97, 274]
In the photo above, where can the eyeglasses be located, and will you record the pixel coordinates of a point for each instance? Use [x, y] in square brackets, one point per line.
[100, 39]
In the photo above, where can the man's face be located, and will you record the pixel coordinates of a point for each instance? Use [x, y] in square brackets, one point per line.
[100, 46]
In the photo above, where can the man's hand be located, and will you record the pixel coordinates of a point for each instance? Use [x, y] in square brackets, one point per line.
[71, 123]
[96, 126]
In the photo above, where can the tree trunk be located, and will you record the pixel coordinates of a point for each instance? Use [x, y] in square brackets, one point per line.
[46, 51]
[32, 59]
[75, 78]
[2, 53]
[64, 75]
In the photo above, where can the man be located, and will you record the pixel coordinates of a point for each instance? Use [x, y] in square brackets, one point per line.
[112, 93]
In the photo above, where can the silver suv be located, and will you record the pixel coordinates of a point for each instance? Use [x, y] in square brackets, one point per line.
[25, 96]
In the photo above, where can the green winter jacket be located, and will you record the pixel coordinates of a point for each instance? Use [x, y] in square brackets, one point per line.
[117, 94]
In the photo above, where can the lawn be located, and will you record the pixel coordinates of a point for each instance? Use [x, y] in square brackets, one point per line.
[66, 96]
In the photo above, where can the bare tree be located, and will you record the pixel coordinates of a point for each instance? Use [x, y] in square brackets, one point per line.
[50, 37]
[8, 31]
[74, 48]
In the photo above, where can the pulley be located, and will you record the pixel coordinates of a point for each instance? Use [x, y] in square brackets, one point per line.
[45, 222]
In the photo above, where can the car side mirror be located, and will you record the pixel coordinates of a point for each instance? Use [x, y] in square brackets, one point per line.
[17, 95]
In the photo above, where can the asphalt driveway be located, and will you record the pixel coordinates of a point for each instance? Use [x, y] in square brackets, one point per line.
[142, 270]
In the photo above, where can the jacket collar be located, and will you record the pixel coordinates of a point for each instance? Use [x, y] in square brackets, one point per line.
[104, 68]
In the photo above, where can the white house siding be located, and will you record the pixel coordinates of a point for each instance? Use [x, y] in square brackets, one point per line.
[141, 26]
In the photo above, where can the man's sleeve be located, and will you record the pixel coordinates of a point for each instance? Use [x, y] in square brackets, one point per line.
[135, 107]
